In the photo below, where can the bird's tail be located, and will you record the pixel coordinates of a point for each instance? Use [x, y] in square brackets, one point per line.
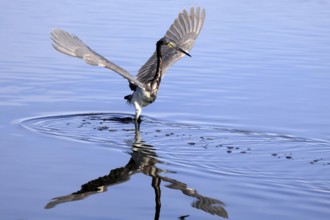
[128, 98]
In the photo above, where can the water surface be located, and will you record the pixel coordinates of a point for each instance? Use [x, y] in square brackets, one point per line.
[240, 130]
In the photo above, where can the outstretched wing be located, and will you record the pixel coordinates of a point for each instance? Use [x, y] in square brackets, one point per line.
[183, 32]
[71, 45]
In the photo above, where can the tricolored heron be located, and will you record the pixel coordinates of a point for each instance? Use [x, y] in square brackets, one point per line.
[177, 42]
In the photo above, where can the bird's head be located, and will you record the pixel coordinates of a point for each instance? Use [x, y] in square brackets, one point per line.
[165, 41]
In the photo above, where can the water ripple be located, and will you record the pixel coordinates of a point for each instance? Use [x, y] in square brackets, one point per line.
[210, 151]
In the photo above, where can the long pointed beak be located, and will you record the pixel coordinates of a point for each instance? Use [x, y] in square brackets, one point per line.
[182, 51]
[174, 46]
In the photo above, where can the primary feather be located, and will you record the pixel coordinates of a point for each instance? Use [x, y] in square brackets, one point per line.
[71, 45]
[183, 32]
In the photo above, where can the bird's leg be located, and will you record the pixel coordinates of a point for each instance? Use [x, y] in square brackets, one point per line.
[137, 116]
[137, 124]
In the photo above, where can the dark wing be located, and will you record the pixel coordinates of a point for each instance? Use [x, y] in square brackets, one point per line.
[71, 45]
[183, 32]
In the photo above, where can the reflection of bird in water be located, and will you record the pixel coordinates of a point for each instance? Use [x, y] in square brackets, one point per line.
[178, 41]
[143, 160]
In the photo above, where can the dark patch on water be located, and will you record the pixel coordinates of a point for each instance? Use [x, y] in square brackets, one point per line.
[90, 127]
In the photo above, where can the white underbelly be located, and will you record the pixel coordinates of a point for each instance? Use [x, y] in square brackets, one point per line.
[142, 97]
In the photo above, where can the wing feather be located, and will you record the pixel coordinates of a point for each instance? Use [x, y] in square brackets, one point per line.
[184, 31]
[71, 45]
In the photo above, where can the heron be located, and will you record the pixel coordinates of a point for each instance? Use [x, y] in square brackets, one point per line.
[177, 42]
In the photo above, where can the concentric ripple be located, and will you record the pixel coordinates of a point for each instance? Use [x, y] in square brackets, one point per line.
[266, 163]
[215, 149]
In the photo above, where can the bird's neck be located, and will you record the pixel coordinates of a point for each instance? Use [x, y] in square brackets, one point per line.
[159, 61]
[158, 75]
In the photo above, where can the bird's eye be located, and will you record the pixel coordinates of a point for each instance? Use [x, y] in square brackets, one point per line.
[170, 44]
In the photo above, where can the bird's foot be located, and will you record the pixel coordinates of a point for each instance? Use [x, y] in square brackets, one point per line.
[137, 124]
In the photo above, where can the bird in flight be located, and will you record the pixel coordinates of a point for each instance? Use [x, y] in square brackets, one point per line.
[177, 42]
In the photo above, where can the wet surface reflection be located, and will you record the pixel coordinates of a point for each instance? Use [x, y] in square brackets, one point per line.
[266, 164]
[144, 160]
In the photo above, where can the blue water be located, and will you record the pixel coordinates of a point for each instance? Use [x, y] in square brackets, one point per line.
[243, 125]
